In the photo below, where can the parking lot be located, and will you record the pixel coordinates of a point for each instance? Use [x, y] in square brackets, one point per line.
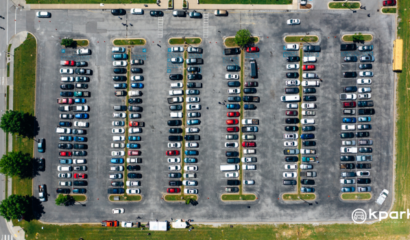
[101, 28]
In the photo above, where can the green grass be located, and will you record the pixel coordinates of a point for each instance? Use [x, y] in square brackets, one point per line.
[351, 196]
[349, 38]
[344, 5]
[82, 43]
[179, 41]
[79, 198]
[9, 47]
[233, 197]
[230, 41]
[8, 69]
[177, 197]
[301, 39]
[300, 117]
[245, 1]
[292, 197]
[389, 10]
[129, 42]
[126, 198]
[86, 1]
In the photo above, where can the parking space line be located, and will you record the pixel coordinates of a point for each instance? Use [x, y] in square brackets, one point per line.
[206, 25]
[160, 27]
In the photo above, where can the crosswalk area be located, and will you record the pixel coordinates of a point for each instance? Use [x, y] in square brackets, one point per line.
[6, 237]
[160, 27]
[206, 25]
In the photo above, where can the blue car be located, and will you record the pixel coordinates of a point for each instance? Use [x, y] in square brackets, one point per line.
[66, 138]
[79, 190]
[64, 124]
[82, 116]
[80, 139]
[134, 138]
[191, 152]
[190, 160]
[66, 94]
[307, 136]
[348, 189]
[307, 189]
[80, 100]
[66, 161]
[233, 106]
[249, 106]
[137, 85]
[41, 145]
[193, 122]
[364, 119]
[117, 160]
[349, 120]
[133, 145]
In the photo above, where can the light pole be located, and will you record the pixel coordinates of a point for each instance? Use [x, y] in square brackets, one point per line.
[8, 53]
[305, 201]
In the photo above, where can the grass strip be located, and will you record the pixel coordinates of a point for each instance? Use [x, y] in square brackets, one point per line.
[389, 10]
[175, 197]
[87, 1]
[79, 198]
[8, 69]
[365, 37]
[301, 39]
[8, 48]
[272, 2]
[230, 41]
[294, 197]
[180, 41]
[129, 42]
[126, 197]
[356, 196]
[127, 119]
[300, 118]
[82, 43]
[344, 5]
[236, 197]
[184, 73]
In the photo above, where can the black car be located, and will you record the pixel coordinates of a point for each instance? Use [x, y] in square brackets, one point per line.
[308, 128]
[80, 146]
[292, 75]
[350, 59]
[365, 66]
[136, 70]
[175, 183]
[348, 47]
[120, 70]
[175, 138]
[362, 134]
[234, 84]
[194, 76]
[231, 154]
[117, 12]
[365, 103]
[80, 183]
[250, 98]
[366, 111]
[309, 90]
[41, 164]
[347, 135]
[309, 143]
[175, 130]
[175, 76]
[192, 137]
[291, 90]
[232, 160]
[67, 86]
[348, 174]
[233, 68]
[156, 13]
[193, 69]
[249, 90]
[134, 175]
[307, 182]
[292, 120]
[117, 184]
[293, 59]
[174, 175]
[81, 64]
[349, 74]
[291, 159]
[174, 122]
[66, 94]
[134, 100]
[366, 150]
[115, 190]
[133, 168]
[175, 107]
[363, 166]
[233, 182]
[119, 78]
[79, 190]
[291, 128]
[65, 146]
[135, 109]
[347, 158]
[63, 190]
[234, 99]
[364, 181]
[350, 89]
[309, 98]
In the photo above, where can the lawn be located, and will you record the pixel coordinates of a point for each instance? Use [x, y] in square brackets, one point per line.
[126, 197]
[231, 197]
[8, 69]
[389, 10]
[230, 41]
[79, 198]
[82, 43]
[177, 197]
[301, 39]
[179, 41]
[245, 2]
[349, 38]
[86, 1]
[296, 196]
[135, 41]
[358, 196]
[344, 5]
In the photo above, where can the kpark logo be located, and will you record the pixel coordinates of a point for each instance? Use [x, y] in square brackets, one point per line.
[359, 215]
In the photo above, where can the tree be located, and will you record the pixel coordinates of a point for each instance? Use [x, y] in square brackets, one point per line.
[14, 207]
[12, 122]
[63, 199]
[16, 164]
[358, 37]
[243, 37]
[67, 42]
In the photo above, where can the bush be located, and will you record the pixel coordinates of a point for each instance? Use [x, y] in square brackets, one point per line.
[358, 37]
[67, 42]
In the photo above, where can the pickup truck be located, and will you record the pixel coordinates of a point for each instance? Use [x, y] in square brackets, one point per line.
[82, 94]
[250, 121]
[136, 124]
[250, 99]
[176, 92]
[365, 104]
[364, 158]
[249, 129]
[120, 93]
[42, 193]
[309, 159]
[175, 100]
[308, 113]
[192, 61]
[309, 59]
[249, 151]
[248, 167]
[307, 121]
[308, 174]
[194, 85]
[382, 197]
[293, 47]
[311, 48]
[347, 166]
[175, 115]
[110, 223]
[310, 83]
[307, 151]
[232, 51]
[348, 150]
[134, 160]
[347, 96]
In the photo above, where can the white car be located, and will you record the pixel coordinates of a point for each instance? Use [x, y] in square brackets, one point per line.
[290, 136]
[192, 107]
[118, 210]
[117, 145]
[134, 130]
[177, 49]
[134, 93]
[117, 153]
[127, 224]
[192, 130]
[292, 82]
[118, 130]
[366, 74]
[365, 96]
[133, 191]
[137, 78]
[132, 183]
[306, 166]
[174, 145]
[191, 144]
[292, 66]
[174, 160]
[119, 63]
[64, 175]
[192, 99]
[308, 121]
[290, 174]
[347, 127]
[66, 71]
[291, 166]
[234, 90]
[176, 85]
[308, 106]
[231, 76]
[177, 60]
[293, 47]
[232, 174]
[292, 106]
[231, 145]
[363, 173]
[136, 11]
[309, 75]
[191, 168]
[365, 90]
[348, 149]
[369, 58]
[363, 81]
[191, 191]
[347, 181]
[117, 123]
[118, 138]
[119, 115]
[293, 21]
[349, 143]
[81, 124]
[174, 168]
[117, 168]
[307, 151]
[290, 143]
[249, 182]
[248, 159]
[83, 51]
[189, 183]
[67, 79]
[64, 183]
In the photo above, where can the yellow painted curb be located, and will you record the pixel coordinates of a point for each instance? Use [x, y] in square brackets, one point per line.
[256, 197]
[238, 46]
[284, 38]
[129, 39]
[182, 200]
[340, 196]
[169, 39]
[360, 4]
[381, 10]
[353, 34]
[298, 199]
[88, 41]
[124, 200]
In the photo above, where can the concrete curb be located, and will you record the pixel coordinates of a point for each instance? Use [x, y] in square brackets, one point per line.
[284, 38]
[122, 201]
[354, 200]
[224, 39]
[360, 4]
[353, 34]
[88, 42]
[298, 200]
[381, 11]
[129, 39]
[238, 201]
[169, 39]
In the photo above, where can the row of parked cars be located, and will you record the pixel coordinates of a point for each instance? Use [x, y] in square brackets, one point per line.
[132, 144]
[156, 13]
[356, 150]
[73, 125]
[193, 113]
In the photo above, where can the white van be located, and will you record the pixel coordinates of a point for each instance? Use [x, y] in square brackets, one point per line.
[229, 167]
[290, 98]
[310, 83]
[64, 169]
[176, 92]
[137, 11]
[177, 85]
[176, 114]
[79, 161]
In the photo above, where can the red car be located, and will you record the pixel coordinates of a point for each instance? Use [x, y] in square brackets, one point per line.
[80, 175]
[173, 190]
[133, 153]
[251, 84]
[248, 144]
[349, 104]
[172, 152]
[252, 49]
[65, 101]
[232, 129]
[232, 121]
[233, 114]
[65, 154]
[389, 3]
[291, 113]
[67, 63]
[134, 124]
[308, 67]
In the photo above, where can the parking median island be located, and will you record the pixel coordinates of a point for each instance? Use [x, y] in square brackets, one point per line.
[124, 198]
[183, 40]
[389, 10]
[129, 42]
[297, 39]
[356, 196]
[298, 197]
[229, 42]
[344, 5]
[357, 37]
[81, 42]
[79, 197]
